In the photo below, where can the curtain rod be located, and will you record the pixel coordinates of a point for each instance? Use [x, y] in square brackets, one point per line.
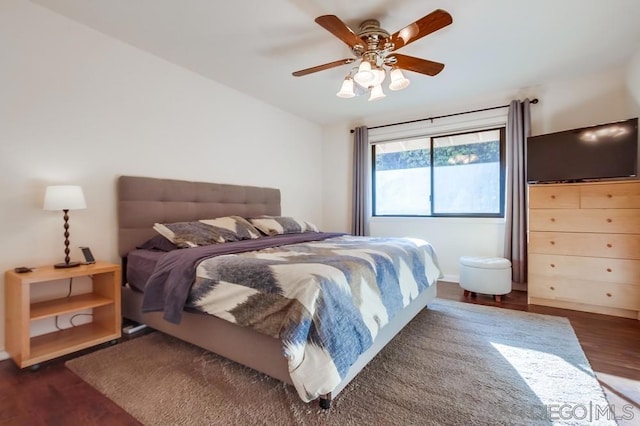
[533, 101]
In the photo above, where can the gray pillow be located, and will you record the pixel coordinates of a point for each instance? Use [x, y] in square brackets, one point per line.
[277, 225]
[189, 234]
[207, 231]
[159, 243]
[233, 228]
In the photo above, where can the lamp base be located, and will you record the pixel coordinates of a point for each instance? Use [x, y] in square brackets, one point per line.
[66, 265]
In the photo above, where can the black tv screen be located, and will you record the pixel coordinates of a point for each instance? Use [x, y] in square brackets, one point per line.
[605, 151]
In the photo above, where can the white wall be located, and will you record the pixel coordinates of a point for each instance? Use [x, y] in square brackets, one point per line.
[78, 107]
[337, 172]
[633, 79]
[564, 104]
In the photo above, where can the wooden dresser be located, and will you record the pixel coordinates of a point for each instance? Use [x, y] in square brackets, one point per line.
[584, 247]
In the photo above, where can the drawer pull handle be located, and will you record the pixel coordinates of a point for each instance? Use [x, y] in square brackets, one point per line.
[608, 294]
[609, 245]
[553, 265]
[552, 242]
[609, 220]
[553, 219]
[608, 269]
[553, 197]
[552, 288]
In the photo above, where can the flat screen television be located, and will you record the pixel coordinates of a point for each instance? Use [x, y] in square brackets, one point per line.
[605, 151]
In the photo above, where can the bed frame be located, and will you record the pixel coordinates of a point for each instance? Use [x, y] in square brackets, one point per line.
[142, 201]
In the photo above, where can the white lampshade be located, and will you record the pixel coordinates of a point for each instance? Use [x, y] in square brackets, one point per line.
[346, 91]
[398, 80]
[64, 197]
[365, 76]
[380, 74]
[376, 93]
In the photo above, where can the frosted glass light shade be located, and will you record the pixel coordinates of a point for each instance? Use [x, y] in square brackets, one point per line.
[398, 80]
[380, 76]
[365, 76]
[376, 93]
[64, 197]
[346, 91]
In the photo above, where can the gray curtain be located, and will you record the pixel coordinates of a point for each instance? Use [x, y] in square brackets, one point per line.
[515, 241]
[360, 193]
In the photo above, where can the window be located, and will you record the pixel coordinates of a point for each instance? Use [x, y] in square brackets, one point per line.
[460, 174]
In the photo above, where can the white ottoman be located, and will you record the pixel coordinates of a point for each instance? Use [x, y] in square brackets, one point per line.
[486, 275]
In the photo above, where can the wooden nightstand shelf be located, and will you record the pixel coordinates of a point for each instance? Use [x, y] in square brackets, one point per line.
[104, 300]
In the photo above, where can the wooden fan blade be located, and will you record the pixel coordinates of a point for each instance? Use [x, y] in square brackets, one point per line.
[422, 66]
[322, 67]
[335, 26]
[424, 26]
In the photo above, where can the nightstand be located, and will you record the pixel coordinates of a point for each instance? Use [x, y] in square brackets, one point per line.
[104, 299]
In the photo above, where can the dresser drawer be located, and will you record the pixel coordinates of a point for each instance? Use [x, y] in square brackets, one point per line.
[608, 221]
[612, 295]
[612, 196]
[622, 246]
[554, 197]
[585, 268]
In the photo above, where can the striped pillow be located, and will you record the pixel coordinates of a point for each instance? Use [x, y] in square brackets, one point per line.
[277, 225]
[207, 231]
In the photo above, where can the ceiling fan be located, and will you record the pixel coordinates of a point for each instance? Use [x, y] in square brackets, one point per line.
[375, 48]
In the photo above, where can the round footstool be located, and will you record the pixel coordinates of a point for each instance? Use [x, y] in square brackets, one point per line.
[486, 275]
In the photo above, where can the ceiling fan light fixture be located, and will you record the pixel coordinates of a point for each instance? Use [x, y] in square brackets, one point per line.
[374, 54]
[365, 75]
[376, 93]
[346, 90]
[398, 80]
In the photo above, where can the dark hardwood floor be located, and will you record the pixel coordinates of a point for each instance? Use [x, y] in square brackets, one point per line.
[55, 396]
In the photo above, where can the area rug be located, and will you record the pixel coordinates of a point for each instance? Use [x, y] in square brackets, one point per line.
[454, 364]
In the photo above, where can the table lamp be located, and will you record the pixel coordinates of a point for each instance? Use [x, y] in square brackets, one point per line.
[65, 198]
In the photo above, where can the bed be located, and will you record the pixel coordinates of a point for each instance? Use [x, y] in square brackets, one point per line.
[144, 202]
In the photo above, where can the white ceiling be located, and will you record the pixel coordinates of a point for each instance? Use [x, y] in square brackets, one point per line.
[254, 45]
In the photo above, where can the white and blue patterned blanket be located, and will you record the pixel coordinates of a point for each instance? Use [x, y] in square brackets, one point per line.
[326, 300]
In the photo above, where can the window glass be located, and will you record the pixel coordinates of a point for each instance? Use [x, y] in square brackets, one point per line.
[467, 177]
[402, 178]
[467, 173]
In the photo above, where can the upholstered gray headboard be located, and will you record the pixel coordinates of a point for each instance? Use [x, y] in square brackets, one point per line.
[143, 201]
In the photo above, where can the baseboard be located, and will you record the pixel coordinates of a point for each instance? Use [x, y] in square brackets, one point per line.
[450, 279]
[4, 355]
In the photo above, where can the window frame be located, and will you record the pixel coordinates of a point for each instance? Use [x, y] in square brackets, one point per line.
[451, 132]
